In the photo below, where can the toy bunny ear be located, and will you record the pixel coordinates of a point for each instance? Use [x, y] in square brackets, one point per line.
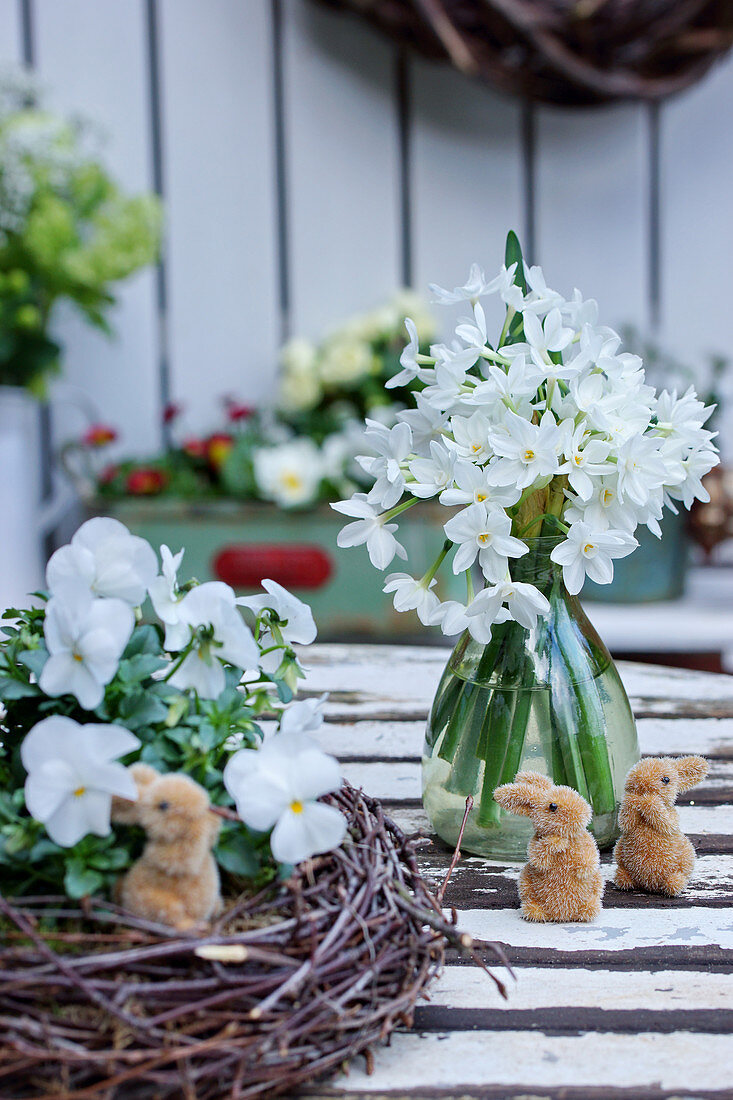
[691, 770]
[517, 798]
[123, 811]
[534, 779]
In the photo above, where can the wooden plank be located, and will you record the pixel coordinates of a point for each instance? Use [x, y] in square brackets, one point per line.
[341, 143]
[441, 1065]
[466, 181]
[368, 739]
[220, 199]
[591, 206]
[91, 53]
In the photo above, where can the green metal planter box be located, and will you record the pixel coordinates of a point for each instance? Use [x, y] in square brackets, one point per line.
[243, 543]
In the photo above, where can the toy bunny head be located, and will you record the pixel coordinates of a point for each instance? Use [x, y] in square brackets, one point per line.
[125, 812]
[555, 811]
[171, 806]
[666, 776]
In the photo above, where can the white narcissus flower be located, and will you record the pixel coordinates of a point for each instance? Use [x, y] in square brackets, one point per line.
[102, 559]
[220, 635]
[586, 461]
[485, 532]
[511, 600]
[640, 469]
[591, 553]
[432, 474]
[476, 286]
[546, 336]
[166, 600]
[370, 528]
[393, 445]
[604, 509]
[472, 486]
[85, 641]
[73, 774]
[289, 474]
[408, 358]
[277, 787]
[526, 451]
[426, 424]
[471, 435]
[412, 595]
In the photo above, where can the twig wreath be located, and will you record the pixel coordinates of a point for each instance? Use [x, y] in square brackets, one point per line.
[288, 984]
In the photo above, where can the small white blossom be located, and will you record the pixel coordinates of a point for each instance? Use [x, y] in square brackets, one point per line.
[85, 641]
[472, 486]
[412, 595]
[432, 474]
[511, 600]
[292, 617]
[586, 461]
[393, 446]
[166, 599]
[476, 286]
[591, 553]
[73, 774]
[471, 435]
[483, 532]
[103, 559]
[408, 359]
[219, 635]
[370, 528]
[526, 451]
[289, 474]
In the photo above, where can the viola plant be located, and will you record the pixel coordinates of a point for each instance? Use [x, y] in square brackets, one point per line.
[118, 664]
[548, 449]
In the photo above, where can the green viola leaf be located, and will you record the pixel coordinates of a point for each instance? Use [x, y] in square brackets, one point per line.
[235, 853]
[34, 659]
[80, 880]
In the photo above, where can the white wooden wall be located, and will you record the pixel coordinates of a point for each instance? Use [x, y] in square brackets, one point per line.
[308, 170]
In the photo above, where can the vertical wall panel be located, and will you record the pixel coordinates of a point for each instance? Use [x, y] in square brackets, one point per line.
[592, 198]
[697, 223]
[9, 31]
[92, 54]
[219, 183]
[467, 177]
[342, 143]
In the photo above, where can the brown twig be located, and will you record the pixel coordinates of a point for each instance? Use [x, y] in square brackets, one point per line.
[457, 854]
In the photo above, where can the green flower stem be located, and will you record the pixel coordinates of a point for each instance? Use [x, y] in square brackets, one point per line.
[400, 508]
[426, 579]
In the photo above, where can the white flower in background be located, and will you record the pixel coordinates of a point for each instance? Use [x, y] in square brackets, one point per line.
[640, 469]
[586, 461]
[472, 486]
[289, 474]
[305, 716]
[408, 359]
[471, 435]
[370, 528]
[426, 424]
[579, 312]
[412, 595]
[300, 387]
[393, 445]
[698, 463]
[292, 618]
[476, 286]
[277, 786]
[478, 530]
[73, 774]
[103, 559]
[591, 553]
[526, 451]
[85, 641]
[167, 599]
[681, 417]
[432, 474]
[220, 635]
[511, 600]
[345, 360]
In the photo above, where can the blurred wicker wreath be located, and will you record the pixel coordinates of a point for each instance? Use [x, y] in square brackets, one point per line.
[286, 986]
[572, 52]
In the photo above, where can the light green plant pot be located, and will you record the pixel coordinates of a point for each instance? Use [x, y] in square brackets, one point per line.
[242, 543]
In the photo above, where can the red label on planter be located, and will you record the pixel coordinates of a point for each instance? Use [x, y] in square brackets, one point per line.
[246, 566]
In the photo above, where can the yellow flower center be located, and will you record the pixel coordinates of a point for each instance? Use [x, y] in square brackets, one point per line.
[607, 496]
[296, 807]
[79, 792]
[291, 480]
[588, 547]
[484, 537]
[78, 657]
[475, 447]
[578, 459]
[529, 456]
[480, 497]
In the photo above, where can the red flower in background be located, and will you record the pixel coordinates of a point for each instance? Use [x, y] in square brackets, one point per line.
[237, 412]
[145, 482]
[108, 474]
[99, 435]
[171, 412]
[194, 448]
[218, 447]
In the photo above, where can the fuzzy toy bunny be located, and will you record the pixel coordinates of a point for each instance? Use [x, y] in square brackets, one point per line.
[652, 852]
[562, 880]
[176, 880]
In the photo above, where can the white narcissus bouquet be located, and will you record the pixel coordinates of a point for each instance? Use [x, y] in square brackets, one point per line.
[88, 687]
[550, 430]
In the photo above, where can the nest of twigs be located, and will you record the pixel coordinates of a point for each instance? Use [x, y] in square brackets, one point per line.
[287, 985]
[564, 51]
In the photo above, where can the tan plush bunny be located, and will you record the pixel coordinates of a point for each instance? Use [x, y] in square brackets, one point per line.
[653, 853]
[175, 881]
[562, 880]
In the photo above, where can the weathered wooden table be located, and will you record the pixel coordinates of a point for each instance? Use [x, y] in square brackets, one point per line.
[638, 1004]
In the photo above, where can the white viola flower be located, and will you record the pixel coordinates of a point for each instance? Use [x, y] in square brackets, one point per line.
[413, 595]
[293, 618]
[277, 786]
[546, 336]
[426, 424]
[511, 600]
[472, 486]
[103, 559]
[586, 460]
[478, 530]
[476, 286]
[166, 600]
[393, 446]
[695, 465]
[591, 553]
[85, 641]
[73, 774]
[305, 716]
[471, 435]
[640, 469]
[219, 635]
[290, 473]
[370, 528]
[433, 474]
[408, 359]
[526, 451]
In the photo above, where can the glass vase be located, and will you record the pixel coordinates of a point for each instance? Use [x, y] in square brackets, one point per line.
[547, 699]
